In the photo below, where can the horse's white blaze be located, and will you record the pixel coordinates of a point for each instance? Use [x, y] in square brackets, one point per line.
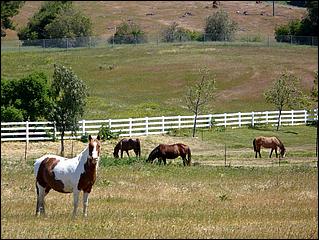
[94, 153]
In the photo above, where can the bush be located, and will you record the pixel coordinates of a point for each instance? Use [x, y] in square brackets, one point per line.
[173, 33]
[283, 33]
[30, 94]
[219, 27]
[106, 133]
[129, 33]
[11, 114]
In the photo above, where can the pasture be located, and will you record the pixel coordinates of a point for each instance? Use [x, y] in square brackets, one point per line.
[150, 80]
[252, 198]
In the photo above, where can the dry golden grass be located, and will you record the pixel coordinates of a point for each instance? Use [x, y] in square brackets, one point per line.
[106, 15]
[141, 200]
[151, 201]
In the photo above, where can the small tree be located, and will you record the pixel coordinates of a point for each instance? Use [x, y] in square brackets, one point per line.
[219, 27]
[69, 97]
[199, 94]
[285, 91]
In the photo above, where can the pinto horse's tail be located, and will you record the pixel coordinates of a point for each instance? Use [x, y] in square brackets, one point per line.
[254, 144]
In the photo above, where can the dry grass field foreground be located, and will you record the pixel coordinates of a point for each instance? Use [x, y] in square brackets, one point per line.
[141, 200]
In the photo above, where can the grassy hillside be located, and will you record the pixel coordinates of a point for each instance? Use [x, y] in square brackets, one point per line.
[151, 80]
[106, 15]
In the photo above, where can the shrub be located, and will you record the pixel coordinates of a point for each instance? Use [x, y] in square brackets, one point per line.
[11, 114]
[128, 32]
[283, 33]
[106, 133]
[219, 27]
[174, 33]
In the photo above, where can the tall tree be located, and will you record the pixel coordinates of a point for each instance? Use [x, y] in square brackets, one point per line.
[69, 100]
[8, 10]
[35, 28]
[285, 92]
[199, 94]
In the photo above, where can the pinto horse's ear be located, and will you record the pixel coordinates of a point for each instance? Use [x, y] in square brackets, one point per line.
[98, 137]
[90, 137]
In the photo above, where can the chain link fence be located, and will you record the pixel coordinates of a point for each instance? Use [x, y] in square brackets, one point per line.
[108, 41]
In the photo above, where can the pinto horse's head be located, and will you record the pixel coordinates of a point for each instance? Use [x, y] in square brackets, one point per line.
[94, 149]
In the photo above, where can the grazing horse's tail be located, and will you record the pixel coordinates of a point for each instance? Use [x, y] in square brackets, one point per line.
[189, 153]
[254, 144]
[138, 143]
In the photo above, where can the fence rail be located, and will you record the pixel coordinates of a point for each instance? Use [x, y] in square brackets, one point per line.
[36, 131]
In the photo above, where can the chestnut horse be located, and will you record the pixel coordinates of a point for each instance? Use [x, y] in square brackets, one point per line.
[67, 175]
[126, 145]
[268, 142]
[164, 151]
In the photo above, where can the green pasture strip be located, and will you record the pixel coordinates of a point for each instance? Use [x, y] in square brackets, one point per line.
[151, 80]
[151, 201]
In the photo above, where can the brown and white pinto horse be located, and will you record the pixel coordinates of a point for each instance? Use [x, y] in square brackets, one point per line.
[268, 142]
[164, 151]
[68, 175]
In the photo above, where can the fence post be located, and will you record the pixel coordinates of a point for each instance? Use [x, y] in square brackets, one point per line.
[266, 117]
[130, 127]
[225, 119]
[252, 119]
[239, 119]
[146, 125]
[54, 130]
[179, 122]
[26, 140]
[292, 117]
[305, 116]
[210, 120]
[163, 124]
[110, 123]
[83, 127]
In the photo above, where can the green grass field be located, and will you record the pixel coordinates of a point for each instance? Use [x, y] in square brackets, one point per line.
[151, 80]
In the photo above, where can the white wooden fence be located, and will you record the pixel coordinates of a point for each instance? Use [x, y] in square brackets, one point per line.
[34, 131]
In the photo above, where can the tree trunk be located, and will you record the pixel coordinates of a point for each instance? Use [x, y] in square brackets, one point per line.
[62, 143]
[279, 116]
[194, 127]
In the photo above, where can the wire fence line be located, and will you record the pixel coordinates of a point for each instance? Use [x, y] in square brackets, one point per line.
[39, 131]
[105, 42]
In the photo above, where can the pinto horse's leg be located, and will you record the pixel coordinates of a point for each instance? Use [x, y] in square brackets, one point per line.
[121, 153]
[276, 152]
[85, 203]
[40, 200]
[127, 153]
[75, 201]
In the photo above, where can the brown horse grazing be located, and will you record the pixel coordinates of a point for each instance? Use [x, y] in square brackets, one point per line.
[164, 151]
[268, 142]
[126, 145]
